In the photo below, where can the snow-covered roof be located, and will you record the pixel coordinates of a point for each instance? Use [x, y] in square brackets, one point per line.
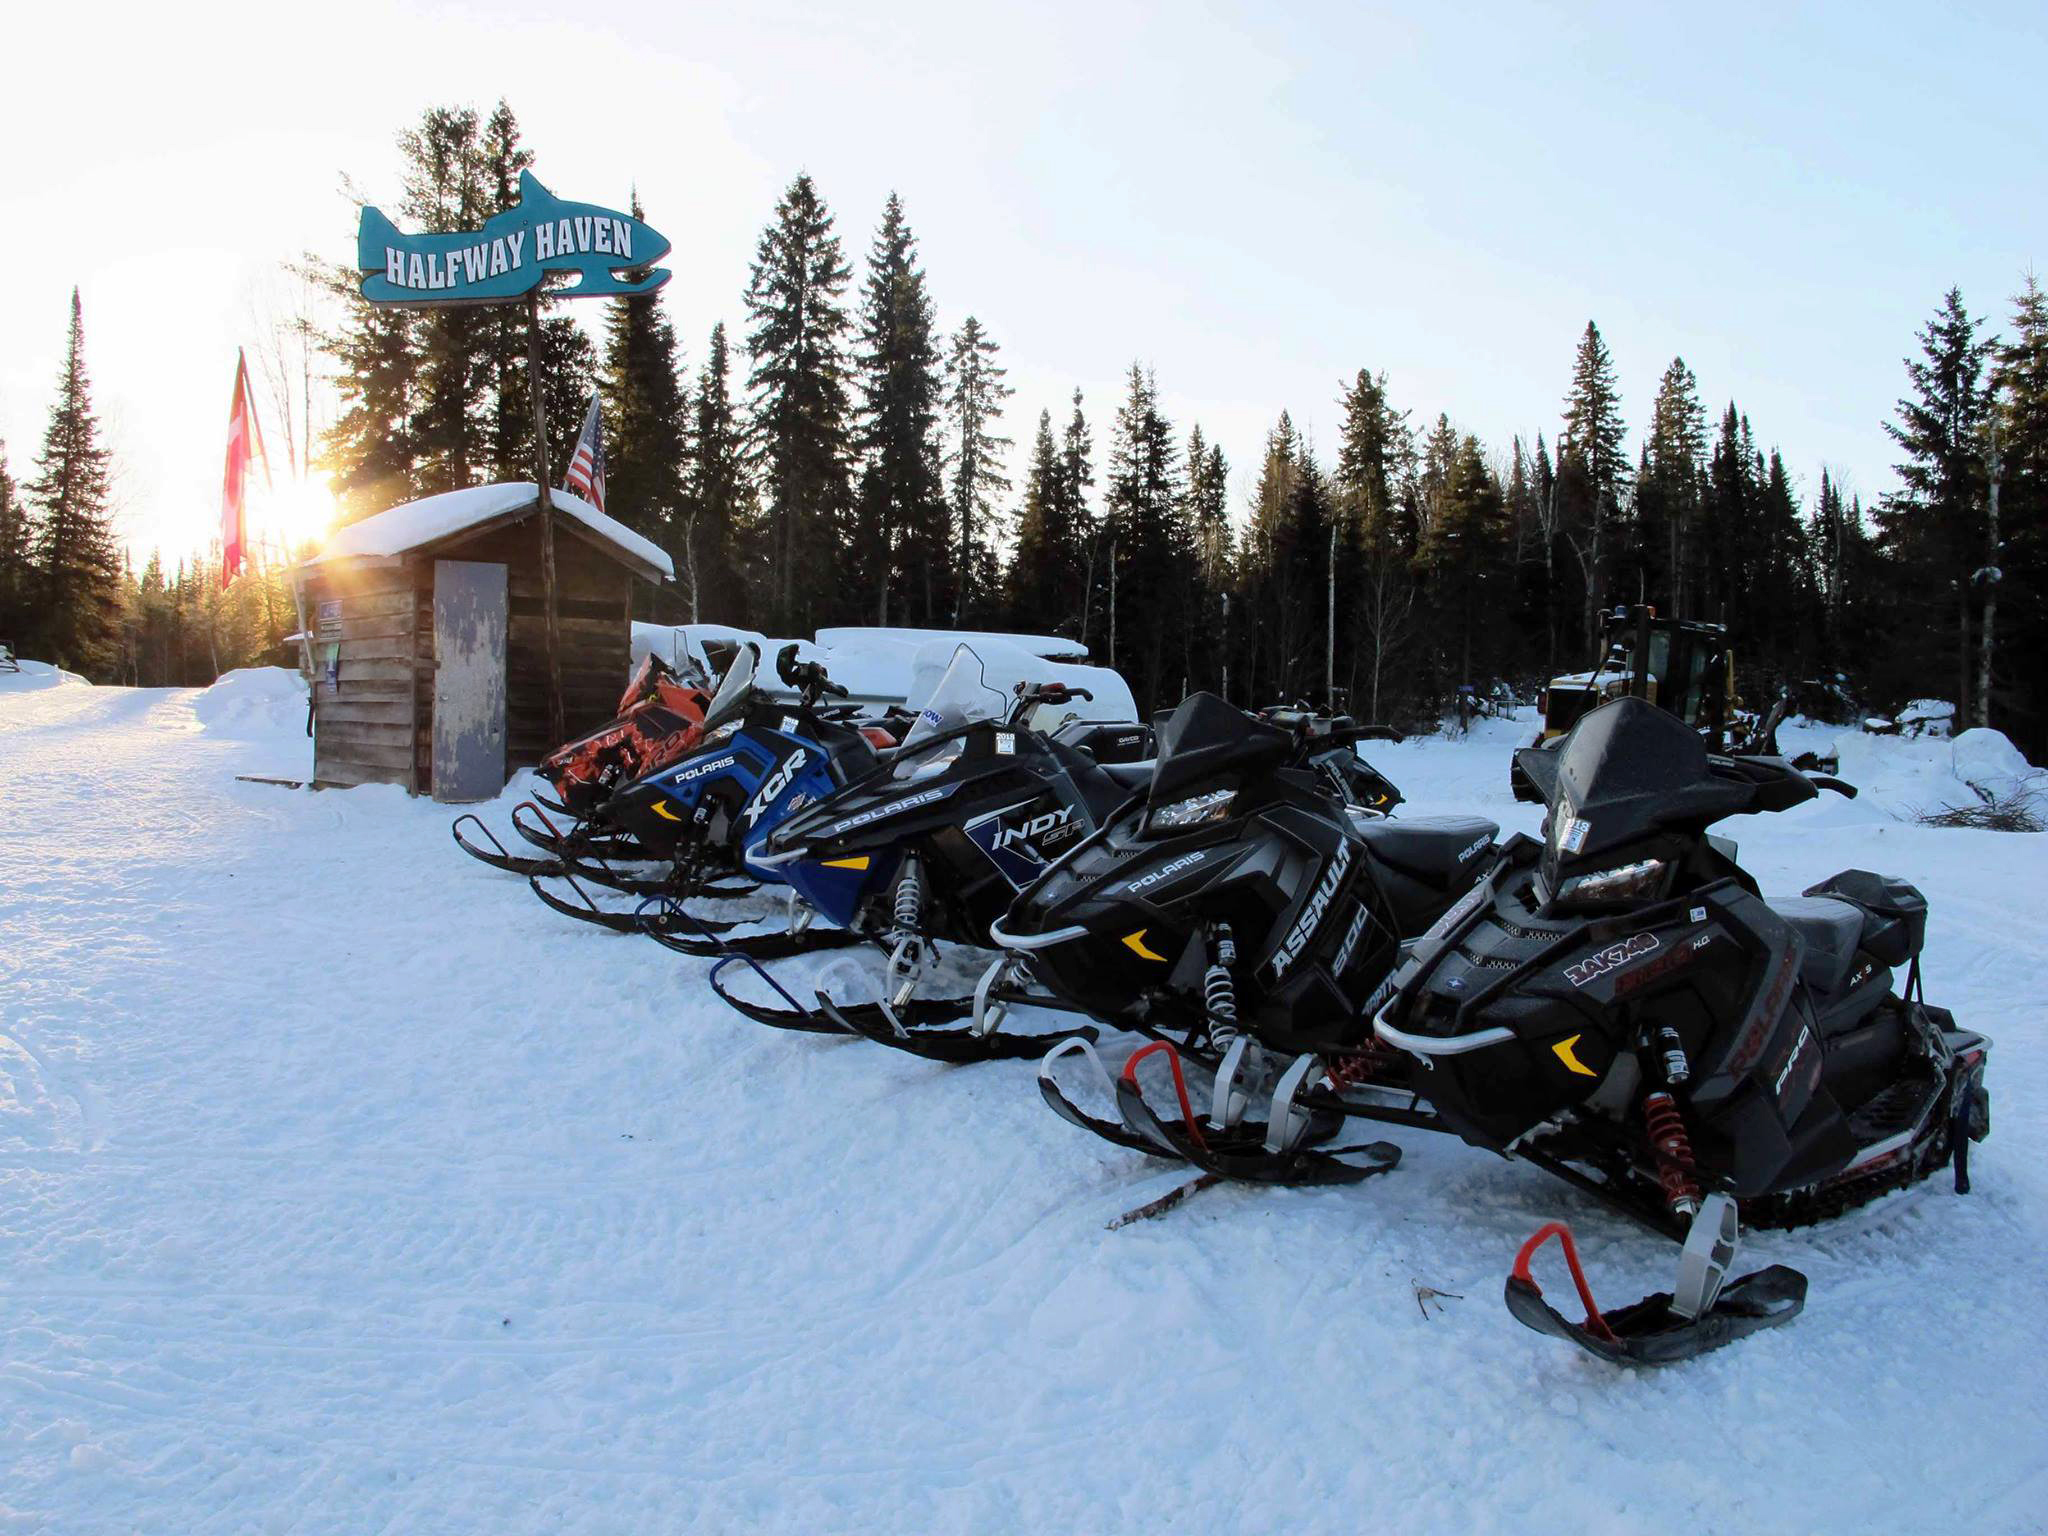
[911, 639]
[434, 518]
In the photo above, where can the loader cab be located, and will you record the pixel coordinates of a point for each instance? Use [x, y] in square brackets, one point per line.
[1683, 667]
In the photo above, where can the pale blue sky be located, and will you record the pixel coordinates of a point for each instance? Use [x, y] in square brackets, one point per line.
[1256, 201]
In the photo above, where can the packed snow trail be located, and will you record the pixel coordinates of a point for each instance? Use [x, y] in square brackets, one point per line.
[345, 1189]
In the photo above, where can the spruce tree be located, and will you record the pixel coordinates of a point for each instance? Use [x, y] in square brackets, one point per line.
[975, 393]
[1035, 578]
[1264, 564]
[78, 595]
[1933, 525]
[799, 403]
[447, 190]
[719, 504]
[646, 423]
[1668, 486]
[16, 557]
[1592, 468]
[502, 342]
[1375, 456]
[1077, 478]
[902, 525]
[2022, 380]
[368, 451]
[1151, 546]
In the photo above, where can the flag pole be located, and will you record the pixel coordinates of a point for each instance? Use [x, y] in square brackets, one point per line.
[557, 730]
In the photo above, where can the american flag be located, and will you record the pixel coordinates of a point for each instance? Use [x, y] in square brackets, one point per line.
[586, 464]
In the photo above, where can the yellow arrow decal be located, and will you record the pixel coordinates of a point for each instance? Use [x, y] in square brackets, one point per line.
[860, 862]
[1136, 942]
[1565, 1054]
[662, 810]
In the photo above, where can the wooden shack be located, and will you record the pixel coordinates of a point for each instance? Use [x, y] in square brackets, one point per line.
[426, 631]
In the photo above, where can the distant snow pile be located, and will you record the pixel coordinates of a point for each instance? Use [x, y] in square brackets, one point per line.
[37, 674]
[1926, 717]
[253, 701]
[1967, 782]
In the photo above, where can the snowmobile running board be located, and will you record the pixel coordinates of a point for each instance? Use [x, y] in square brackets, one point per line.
[1245, 1151]
[913, 1027]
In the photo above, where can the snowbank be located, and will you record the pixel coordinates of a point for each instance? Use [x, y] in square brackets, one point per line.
[254, 701]
[38, 674]
[905, 663]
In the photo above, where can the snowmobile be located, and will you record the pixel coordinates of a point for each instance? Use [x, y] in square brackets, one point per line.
[1240, 906]
[1617, 1004]
[1620, 1005]
[759, 760]
[974, 806]
[659, 718]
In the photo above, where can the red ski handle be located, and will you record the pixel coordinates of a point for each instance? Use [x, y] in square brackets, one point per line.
[1595, 1323]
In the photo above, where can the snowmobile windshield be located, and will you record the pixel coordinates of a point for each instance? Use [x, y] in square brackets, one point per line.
[1629, 770]
[1207, 749]
[733, 693]
[963, 696]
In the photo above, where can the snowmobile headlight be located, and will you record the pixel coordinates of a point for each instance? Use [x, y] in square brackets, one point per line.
[1195, 811]
[713, 737]
[923, 765]
[1603, 887]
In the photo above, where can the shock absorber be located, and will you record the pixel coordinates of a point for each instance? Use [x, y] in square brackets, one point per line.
[909, 901]
[1672, 1148]
[1219, 988]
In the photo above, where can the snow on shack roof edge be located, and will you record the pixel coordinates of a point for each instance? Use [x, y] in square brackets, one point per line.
[413, 524]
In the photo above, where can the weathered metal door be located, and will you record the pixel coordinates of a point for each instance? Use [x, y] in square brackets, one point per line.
[469, 680]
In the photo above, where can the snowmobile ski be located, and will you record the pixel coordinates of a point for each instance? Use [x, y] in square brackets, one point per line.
[498, 856]
[1660, 1329]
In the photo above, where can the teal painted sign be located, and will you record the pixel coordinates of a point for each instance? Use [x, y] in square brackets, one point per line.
[511, 255]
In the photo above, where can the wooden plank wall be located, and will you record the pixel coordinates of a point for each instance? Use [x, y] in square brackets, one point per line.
[379, 729]
[363, 733]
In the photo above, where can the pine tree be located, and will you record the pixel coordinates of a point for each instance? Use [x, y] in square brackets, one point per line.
[1591, 467]
[975, 392]
[368, 451]
[1271, 612]
[16, 557]
[799, 405]
[1150, 545]
[2022, 394]
[446, 190]
[647, 422]
[720, 501]
[503, 341]
[1375, 456]
[902, 525]
[1463, 552]
[77, 567]
[1933, 525]
[1668, 486]
[1077, 477]
[1035, 580]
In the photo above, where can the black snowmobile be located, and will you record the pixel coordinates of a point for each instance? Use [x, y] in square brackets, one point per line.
[1619, 1005]
[1238, 908]
[973, 807]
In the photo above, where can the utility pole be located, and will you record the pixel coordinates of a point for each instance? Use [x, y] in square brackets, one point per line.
[1989, 578]
[557, 729]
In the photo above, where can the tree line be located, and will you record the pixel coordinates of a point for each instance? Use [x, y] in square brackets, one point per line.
[842, 459]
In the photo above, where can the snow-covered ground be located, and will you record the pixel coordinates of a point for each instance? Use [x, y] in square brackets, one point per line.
[343, 1188]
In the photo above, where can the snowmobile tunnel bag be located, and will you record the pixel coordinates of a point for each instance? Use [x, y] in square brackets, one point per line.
[1894, 913]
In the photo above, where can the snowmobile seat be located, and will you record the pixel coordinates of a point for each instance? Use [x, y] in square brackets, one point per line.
[1103, 786]
[1439, 851]
[1833, 931]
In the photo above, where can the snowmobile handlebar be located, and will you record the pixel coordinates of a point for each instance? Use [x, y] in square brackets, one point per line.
[1030, 694]
[807, 677]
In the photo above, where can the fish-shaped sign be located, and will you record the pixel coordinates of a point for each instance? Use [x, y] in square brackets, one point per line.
[610, 253]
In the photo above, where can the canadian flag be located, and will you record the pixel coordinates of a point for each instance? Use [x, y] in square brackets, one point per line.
[244, 438]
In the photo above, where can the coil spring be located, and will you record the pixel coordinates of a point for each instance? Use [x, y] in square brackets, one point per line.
[909, 897]
[1219, 990]
[1672, 1148]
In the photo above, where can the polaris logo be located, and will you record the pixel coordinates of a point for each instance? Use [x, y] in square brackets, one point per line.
[685, 775]
[1185, 861]
[1477, 843]
[778, 781]
[1594, 966]
[1035, 827]
[1318, 906]
[894, 807]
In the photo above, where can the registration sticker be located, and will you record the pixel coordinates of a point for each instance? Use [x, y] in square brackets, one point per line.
[1573, 836]
[789, 723]
[1006, 743]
